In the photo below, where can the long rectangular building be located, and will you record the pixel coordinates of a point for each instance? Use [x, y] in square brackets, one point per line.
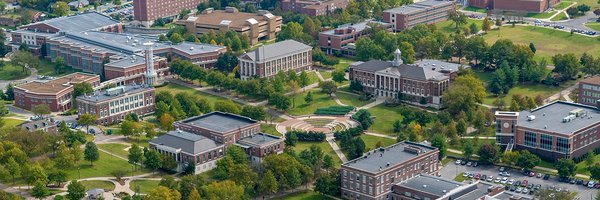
[113, 105]
[266, 61]
[424, 12]
[371, 176]
[589, 91]
[146, 12]
[342, 39]
[313, 7]
[553, 131]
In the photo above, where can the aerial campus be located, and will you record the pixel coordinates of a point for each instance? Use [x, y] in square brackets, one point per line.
[300, 99]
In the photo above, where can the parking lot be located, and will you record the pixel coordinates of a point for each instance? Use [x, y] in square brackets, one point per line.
[451, 170]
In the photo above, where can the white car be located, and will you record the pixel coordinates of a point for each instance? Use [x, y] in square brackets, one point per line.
[503, 181]
[466, 174]
[457, 162]
[490, 178]
[497, 180]
[511, 181]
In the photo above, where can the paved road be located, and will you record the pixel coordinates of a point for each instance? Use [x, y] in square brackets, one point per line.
[583, 193]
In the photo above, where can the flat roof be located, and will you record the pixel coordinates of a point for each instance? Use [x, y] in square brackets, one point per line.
[431, 184]
[120, 91]
[236, 19]
[405, 9]
[82, 22]
[56, 85]
[219, 121]
[187, 142]
[259, 139]
[550, 117]
[276, 50]
[360, 26]
[594, 80]
[377, 160]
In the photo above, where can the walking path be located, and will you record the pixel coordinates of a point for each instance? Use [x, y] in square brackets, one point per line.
[319, 75]
[331, 140]
[380, 135]
[563, 93]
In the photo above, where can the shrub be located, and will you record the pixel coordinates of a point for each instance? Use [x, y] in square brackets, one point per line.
[307, 136]
[334, 110]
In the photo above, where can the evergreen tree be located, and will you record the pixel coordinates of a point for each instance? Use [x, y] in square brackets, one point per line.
[91, 153]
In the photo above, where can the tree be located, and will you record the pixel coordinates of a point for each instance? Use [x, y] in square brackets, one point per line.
[328, 87]
[116, 2]
[594, 172]
[10, 92]
[468, 149]
[439, 141]
[597, 12]
[163, 193]
[583, 8]
[532, 47]
[184, 13]
[176, 38]
[309, 97]
[40, 191]
[91, 152]
[195, 195]
[565, 167]
[303, 79]
[152, 160]
[363, 117]
[464, 94]
[280, 101]
[590, 158]
[75, 191]
[166, 121]
[60, 63]
[267, 184]
[566, 64]
[486, 25]
[131, 128]
[458, 18]
[135, 155]
[41, 110]
[228, 106]
[14, 168]
[60, 8]
[474, 28]
[488, 154]
[338, 75]
[527, 160]
[250, 8]
[226, 62]
[294, 31]
[81, 89]
[223, 190]
[87, 120]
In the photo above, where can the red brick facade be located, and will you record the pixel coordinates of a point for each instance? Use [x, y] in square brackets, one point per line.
[146, 11]
[313, 8]
[419, 13]
[512, 5]
[113, 110]
[589, 91]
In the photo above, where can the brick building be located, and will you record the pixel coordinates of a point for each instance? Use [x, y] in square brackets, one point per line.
[372, 176]
[146, 11]
[589, 91]
[423, 83]
[256, 26]
[313, 7]
[57, 93]
[223, 129]
[112, 105]
[186, 148]
[268, 60]
[341, 39]
[537, 6]
[424, 12]
[553, 131]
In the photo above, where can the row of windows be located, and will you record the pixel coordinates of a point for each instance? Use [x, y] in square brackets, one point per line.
[590, 87]
[547, 141]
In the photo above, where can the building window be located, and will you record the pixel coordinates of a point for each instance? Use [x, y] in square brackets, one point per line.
[530, 139]
[562, 145]
[546, 142]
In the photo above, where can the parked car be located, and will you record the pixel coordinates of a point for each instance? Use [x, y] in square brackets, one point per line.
[469, 164]
[502, 169]
[519, 190]
[463, 162]
[591, 184]
[511, 181]
[465, 174]
[497, 180]
[547, 176]
[483, 177]
[530, 186]
[578, 181]
[537, 187]
[490, 178]
[477, 176]
[513, 188]
[525, 191]
[458, 162]
[475, 164]
[531, 174]
[518, 183]
[524, 183]
[504, 180]
[470, 175]
[92, 131]
[539, 175]
[572, 181]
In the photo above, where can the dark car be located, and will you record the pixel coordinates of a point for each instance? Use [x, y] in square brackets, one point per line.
[572, 181]
[513, 188]
[463, 162]
[585, 183]
[507, 187]
[483, 177]
[525, 172]
[547, 176]
[92, 131]
[530, 186]
[563, 179]
[537, 187]
[475, 164]
[579, 182]
[518, 183]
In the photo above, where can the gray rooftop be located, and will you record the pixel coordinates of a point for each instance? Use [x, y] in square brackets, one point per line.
[219, 121]
[276, 50]
[424, 70]
[99, 96]
[550, 117]
[38, 124]
[431, 184]
[511, 195]
[376, 160]
[259, 139]
[188, 142]
[480, 191]
[419, 6]
[82, 22]
[357, 26]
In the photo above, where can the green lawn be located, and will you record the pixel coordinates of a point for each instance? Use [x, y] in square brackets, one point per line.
[548, 42]
[324, 146]
[312, 77]
[543, 15]
[12, 72]
[530, 90]
[351, 99]
[115, 148]
[481, 142]
[103, 167]
[306, 195]
[11, 123]
[475, 9]
[144, 185]
[459, 177]
[47, 68]
[559, 17]
[562, 5]
[174, 89]
[106, 185]
[270, 129]
[582, 166]
[592, 3]
[449, 27]
[593, 25]
[384, 119]
[326, 75]
[320, 99]
[371, 141]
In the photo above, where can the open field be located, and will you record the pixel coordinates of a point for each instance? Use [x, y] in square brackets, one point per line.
[320, 100]
[103, 167]
[371, 141]
[174, 89]
[351, 99]
[593, 25]
[306, 195]
[559, 17]
[11, 123]
[115, 148]
[548, 42]
[543, 15]
[12, 72]
[327, 150]
[592, 3]
[384, 119]
[144, 186]
[107, 186]
[270, 129]
[449, 27]
[562, 5]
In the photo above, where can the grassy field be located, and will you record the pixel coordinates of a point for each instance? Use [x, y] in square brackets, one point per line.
[593, 25]
[592, 3]
[324, 146]
[174, 89]
[47, 68]
[306, 195]
[371, 141]
[320, 99]
[270, 129]
[351, 99]
[449, 27]
[103, 167]
[475, 9]
[312, 77]
[12, 72]
[144, 185]
[548, 42]
[325, 74]
[562, 5]
[384, 119]
[543, 15]
[115, 148]
[11, 123]
[106, 185]
[559, 17]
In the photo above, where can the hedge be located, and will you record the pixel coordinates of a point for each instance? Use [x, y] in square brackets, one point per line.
[334, 110]
[307, 136]
[353, 132]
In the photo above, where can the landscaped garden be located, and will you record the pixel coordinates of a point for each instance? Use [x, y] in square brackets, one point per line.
[12, 72]
[562, 5]
[270, 129]
[352, 99]
[93, 184]
[384, 119]
[174, 89]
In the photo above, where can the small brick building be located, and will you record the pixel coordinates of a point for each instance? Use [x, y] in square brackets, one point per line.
[112, 105]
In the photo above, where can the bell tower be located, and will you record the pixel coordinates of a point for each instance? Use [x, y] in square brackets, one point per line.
[398, 59]
[150, 75]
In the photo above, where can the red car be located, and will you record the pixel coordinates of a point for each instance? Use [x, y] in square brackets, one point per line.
[524, 183]
[477, 176]
[531, 174]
